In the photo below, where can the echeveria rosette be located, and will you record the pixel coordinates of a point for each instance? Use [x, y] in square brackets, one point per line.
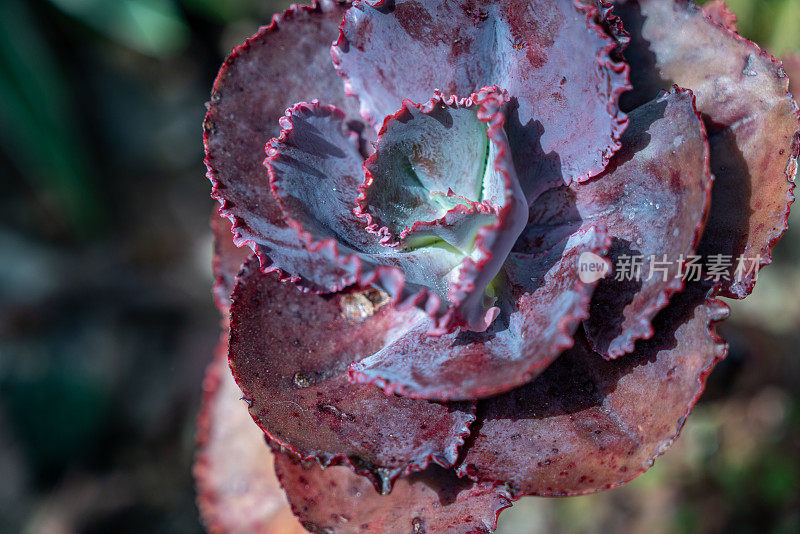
[398, 227]
[414, 313]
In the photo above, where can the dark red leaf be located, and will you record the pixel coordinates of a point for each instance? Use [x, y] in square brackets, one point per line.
[752, 124]
[588, 423]
[336, 501]
[286, 62]
[549, 54]
[289, 352]
[238, 491]
[654, 199]
[543, 301]
[228, 259]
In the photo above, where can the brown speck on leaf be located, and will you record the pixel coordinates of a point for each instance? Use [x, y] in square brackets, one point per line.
[363, 304]
[209, 126]
[302, 381]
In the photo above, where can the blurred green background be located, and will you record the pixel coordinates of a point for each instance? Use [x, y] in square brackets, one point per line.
[106, 318]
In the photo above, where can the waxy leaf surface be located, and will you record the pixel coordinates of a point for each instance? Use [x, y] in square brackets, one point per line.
[752, 124]
[588, 423]
[399, 229]
[653, 198]
[336, 501]
[256, 84]
[542, 299]
[289, 352]
[548, 54]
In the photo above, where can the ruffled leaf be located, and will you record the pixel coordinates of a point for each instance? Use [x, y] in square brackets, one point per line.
[542, 299]
[442, 179]
[238, 491]
[254, 87]
[549, 54]
[289, 352]
[588, 423]
[315, 170]
[446, 248]
[752, 124]
[336, 501]
[431, 158]
[228, 260]
[653, 198]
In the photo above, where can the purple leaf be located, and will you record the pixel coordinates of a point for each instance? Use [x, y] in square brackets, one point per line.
[228, 260]
[549, 54]
[751, 119]
[315, 168]
[588, 423]
[653, 198]
[289, 352]
[238, 491]
[254, 87]
[336, 501]
[543, 301]
[444, 253]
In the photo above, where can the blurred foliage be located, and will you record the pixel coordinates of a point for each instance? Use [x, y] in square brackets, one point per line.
[106, 319]
[152, 27]
[40, 132]
[774, 24]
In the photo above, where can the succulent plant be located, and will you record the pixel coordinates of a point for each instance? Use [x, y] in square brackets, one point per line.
[488, 239]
